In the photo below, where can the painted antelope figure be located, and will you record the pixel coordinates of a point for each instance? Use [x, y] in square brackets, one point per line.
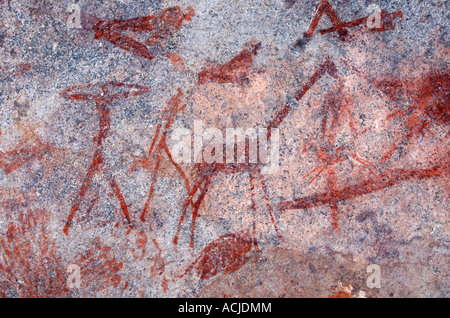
[205, 172]
[157, 29]
[103, 95]
[13, 70]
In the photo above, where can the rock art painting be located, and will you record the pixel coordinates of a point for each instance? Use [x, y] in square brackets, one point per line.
[257, 149]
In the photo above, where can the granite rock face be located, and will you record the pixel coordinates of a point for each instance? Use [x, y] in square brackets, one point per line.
[119, 176]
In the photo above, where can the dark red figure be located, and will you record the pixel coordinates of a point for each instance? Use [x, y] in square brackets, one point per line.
[428, 104]
[103, 95]
[378, 182]
[205, 172]
[156, 28]
[235, 71]
[223, 256]
[334, 110]
[158, 147]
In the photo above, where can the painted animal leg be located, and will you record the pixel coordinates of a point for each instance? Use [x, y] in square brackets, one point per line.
[178, 167]
[152, 189]
[188, 202]
[196, 207]
[121, 199]
[322, 168]
[252, 193]
[331, 180]
[326, 8]
[266, 198]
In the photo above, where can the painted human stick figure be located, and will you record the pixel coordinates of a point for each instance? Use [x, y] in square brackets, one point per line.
[106, 94]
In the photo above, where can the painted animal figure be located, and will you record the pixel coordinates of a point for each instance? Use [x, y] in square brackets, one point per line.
[205, 172]
[156, 29]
